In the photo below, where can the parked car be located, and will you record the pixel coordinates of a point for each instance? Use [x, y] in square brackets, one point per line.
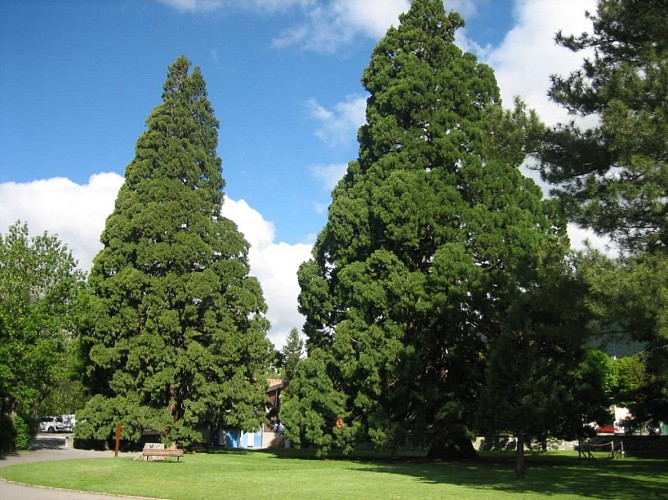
[69, 421]
[60, 423]
[51, 424]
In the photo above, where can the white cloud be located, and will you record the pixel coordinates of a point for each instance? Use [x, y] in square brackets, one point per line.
[526, 58]
[258, 231]
[466, 8]
[330, 25]
[275, 264]
[338, 126]
[329, 175]
[528, 55]
[193, 5]
[582, 237]
[320, 209]
[371, 19]
[327, 25]
[76, 214]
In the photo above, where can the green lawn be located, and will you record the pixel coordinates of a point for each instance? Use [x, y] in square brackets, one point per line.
[284, 474]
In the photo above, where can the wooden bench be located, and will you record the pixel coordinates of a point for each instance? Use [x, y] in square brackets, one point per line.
[153, 452]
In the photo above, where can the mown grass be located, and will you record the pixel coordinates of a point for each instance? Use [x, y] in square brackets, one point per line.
[286, 474]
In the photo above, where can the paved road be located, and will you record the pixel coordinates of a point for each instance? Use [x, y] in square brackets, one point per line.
[50, 447]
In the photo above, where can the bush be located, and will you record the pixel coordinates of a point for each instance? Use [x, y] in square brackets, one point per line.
[26, 429]
[17, 433]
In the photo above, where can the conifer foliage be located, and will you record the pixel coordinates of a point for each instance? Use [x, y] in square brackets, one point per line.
[431, 235]
[292, 352]
[175, 336]
[613, 176]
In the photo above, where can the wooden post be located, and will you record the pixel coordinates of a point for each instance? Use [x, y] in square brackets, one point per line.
[118, 440]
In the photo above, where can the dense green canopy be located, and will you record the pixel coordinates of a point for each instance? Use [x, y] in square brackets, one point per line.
[613, 177]
[292, 353]
[39, 288]
[542, 378]
[175, 336]
[431, 235]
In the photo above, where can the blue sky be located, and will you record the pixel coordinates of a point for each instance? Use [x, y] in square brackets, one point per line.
[78, 79]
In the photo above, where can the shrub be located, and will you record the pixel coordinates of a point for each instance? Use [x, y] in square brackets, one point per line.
[26, 429]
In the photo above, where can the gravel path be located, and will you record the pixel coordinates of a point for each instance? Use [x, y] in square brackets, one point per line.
[51, 447]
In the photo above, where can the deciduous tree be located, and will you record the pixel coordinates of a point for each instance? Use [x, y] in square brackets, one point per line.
[630, 379]
[39, 288]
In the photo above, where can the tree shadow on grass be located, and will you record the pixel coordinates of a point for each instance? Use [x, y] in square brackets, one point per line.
[546, 475]
[592, 479]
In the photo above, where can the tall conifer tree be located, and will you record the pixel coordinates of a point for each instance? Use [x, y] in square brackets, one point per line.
[176, 335]
[613, 177]
[431, 234]
[292, 351]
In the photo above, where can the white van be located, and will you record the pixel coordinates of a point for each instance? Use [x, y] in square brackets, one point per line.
[61, 423]
[51, 424]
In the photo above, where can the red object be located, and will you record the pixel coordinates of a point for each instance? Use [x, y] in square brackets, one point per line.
[611, 429]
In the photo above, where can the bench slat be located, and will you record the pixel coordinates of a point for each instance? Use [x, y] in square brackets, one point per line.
[160, 452]
[152, 452]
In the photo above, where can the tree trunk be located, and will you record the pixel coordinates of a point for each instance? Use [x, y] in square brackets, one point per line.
[520, 467]
[457, 449]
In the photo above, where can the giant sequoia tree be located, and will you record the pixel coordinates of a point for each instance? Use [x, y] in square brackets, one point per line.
[613, 177]
[175, 336]
[432, 235]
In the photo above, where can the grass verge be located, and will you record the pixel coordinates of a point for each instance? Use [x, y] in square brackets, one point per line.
[290, 475]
